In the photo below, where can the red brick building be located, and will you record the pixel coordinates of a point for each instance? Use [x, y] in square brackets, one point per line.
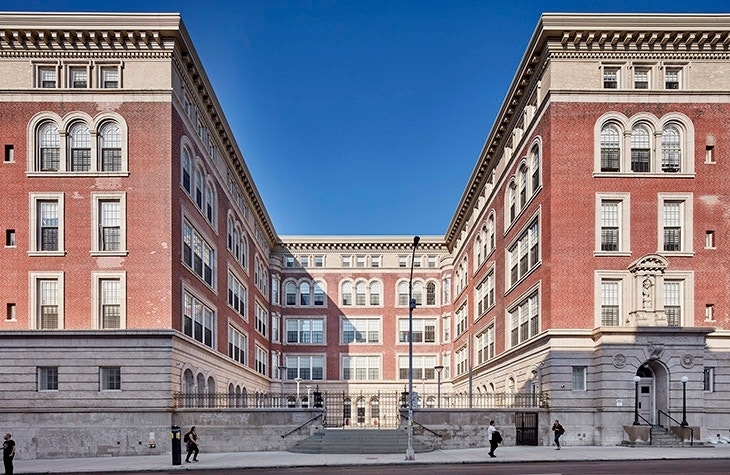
[584, 266]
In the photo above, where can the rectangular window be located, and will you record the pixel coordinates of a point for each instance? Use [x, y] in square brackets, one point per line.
[9, 153]
[47, 77]
[237, 345]
[672, 225]
[446, 289]
[48, 378]
[524, 320]
[675, 222]
[48, 300]
[198, 255]
[610, 212]
[641, 78]
[423, 367]
[48, 225]
[360, 330]
[361, 368]
[10, 238]
[110, 303]
[424, 330]
[610, 298]
[262, 358]
[346, 261]
[237, 295]
[289, 261]
[579, 378]
[485, 345]
[110, 378]
[305, 367]
[261, 319]
[78, 77]
[673, 302]
[446, 329]
[672, 78]
[375, 261]
[610, 77]
[524, 254]
[709, 239]
[198, 320]
[462, 320]
[10, 315]
[359, 261]
[710, 312]
[708, 383]
[485, 294]
[318, 261]
[402, 261]
[110, 221]
[304, 261]
[461, 361]
[305, 331]
[109, 77]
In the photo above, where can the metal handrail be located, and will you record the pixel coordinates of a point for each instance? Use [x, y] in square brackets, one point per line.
[297, 428]
[691, 430]
[423, 427]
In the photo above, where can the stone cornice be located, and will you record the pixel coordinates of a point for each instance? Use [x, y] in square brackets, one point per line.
[290, 244]
[671, 36]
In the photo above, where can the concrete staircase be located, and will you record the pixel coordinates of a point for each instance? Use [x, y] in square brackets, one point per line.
[358, 441]
[661, 437]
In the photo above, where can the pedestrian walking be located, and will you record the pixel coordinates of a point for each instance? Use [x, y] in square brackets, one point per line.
[8, 453]
[558, 430]
[191, 441]
[494, 438]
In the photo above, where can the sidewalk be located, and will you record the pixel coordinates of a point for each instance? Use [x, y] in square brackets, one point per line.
[152, 463]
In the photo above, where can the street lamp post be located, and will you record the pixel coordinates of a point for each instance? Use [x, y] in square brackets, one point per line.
[636, 400]
[684, 401]
[410, 454]
[438, 369]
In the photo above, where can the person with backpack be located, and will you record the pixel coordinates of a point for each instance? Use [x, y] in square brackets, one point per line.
[191, 443]
[494, 438]
[558, 430]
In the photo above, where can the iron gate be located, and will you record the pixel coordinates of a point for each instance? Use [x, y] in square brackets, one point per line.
[380, 410]
[526, 428]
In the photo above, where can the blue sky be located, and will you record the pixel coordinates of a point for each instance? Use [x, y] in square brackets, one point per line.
[361, 117]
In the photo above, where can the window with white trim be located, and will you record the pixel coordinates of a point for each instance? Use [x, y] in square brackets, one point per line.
[237, 295]
[610, 302]
[673, 302]
[360, 330]
[47, 223]
[275, 286]
[640, 149]
[78, 141]
[110, 147]
[672, 78]
[275, 328]
[579, 378]
[485, 294]
[306, 367]
[403, 294]
[610, 148]
[613, 217]
[424, 330]
[485, 345]
[462, 319]
[446, 328]
[47, 76]
[109, 223]
[109, 77]
[198, 320]
[261, 318]
[423, 367]
[78, 77]
[524, 254]
[237, 345]
[262, 361]
[110, 300]
[524, 319]
[361, 368]
[47, 299]
[675, 226]
[446, 290]
[198, 255]
[305, 331]
[47, 378]
[671, 149]
[461, 357]
[642, 77]
[611, 77]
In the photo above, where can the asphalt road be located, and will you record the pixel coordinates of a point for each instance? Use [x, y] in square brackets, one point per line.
[640, 467]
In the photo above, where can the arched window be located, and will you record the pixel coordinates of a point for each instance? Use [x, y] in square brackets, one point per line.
[375, 293]
[418, 293]
[671, 149]
[110, 147]
[535, 169]
[347, 293]
[305, 297]
[198, 186]
[360, 293]
[478, 249]
[403, 293]
[610, 149]
[186, 168]
[512, 201]
[490, 232]
[79, 148]
[431, 293]
[49, 143]
[523, 186]
[291, 293]
[209, 203]
[318, 294]
[640, 149]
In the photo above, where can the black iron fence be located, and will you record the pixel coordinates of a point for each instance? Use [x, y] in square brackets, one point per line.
[379, 409]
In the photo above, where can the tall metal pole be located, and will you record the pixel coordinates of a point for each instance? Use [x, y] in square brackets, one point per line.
[410, 454]
[684, 401]
[438, 369]
[636, 400]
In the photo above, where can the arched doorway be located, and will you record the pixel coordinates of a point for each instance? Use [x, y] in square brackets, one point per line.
[653, 390]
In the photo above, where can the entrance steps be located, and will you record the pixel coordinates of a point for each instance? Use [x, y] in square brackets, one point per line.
[358, 441]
